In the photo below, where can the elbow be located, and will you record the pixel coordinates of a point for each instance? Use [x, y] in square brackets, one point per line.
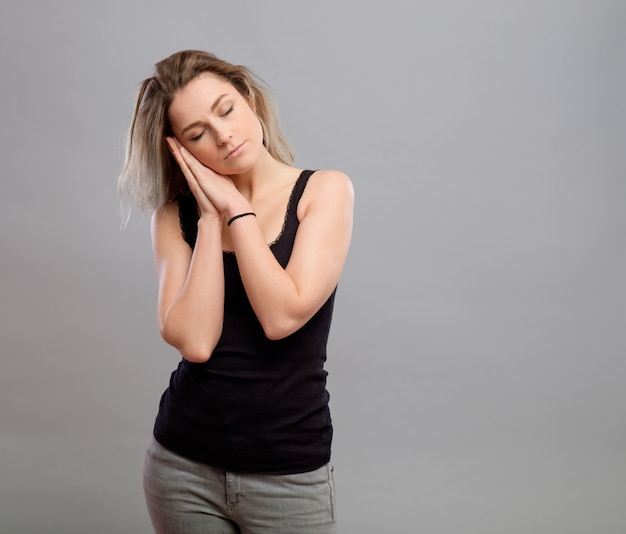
[280, 329]
[278, 326]
[195, 355]
[275, 334]
[194, 351]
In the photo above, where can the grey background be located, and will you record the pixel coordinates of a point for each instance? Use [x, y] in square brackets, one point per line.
[477, 355]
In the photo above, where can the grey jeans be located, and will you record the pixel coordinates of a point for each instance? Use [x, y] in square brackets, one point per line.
[188, 497]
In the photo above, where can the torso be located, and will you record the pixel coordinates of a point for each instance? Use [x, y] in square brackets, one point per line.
[231, 411]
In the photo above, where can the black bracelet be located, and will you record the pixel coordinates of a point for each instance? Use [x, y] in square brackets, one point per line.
[240, 215]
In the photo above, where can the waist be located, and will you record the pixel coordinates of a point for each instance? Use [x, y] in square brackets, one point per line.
[268, 417]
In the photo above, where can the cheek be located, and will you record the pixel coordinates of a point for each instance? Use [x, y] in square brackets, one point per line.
[209, 161]
[256, 129]
[252, 124]
[259, 126]
[204, 155]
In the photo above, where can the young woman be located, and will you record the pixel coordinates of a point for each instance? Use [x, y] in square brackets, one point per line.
[248, 250]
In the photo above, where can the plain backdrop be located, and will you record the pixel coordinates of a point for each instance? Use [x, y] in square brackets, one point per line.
[477, 357]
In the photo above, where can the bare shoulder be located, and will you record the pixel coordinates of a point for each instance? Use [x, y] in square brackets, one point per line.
[328, 186]
[165, 224]
[167, 212]
[166, 215]
[331, 179]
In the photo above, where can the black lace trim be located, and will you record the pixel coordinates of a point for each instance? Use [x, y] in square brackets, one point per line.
[189, 216]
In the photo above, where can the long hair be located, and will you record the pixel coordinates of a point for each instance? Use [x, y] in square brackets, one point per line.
[150, 176]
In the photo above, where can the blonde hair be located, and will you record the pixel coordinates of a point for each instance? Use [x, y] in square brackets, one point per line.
[150, 176]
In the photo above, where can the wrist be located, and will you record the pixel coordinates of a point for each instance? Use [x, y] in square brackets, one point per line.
[237, 209]
[236, 206]
[213, 220]
[239, 216]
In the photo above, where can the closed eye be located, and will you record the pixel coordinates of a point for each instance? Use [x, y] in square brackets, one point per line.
[227, 112]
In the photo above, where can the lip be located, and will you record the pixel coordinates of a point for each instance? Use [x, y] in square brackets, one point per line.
[235, 152]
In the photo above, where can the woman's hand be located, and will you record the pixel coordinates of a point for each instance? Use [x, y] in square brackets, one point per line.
[215, 193]
[207, 208]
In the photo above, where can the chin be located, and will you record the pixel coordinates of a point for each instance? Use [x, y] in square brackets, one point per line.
[243, 163]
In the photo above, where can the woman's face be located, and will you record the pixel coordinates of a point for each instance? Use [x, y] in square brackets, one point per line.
[216, 124]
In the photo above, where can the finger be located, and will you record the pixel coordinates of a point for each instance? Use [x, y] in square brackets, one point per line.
[194, 164]
[188, 173]
[172, 146]
[189, 158]
[172, 141]
[190, 177]
[175, 148]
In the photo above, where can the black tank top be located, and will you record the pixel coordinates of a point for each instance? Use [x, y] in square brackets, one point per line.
[257, 405]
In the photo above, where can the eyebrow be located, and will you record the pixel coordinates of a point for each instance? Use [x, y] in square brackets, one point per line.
[198, 123]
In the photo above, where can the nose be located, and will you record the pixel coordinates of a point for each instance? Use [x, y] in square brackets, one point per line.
[222, 135]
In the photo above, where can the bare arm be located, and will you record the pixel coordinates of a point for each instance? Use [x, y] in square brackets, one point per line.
[191, 284]
[285, 299]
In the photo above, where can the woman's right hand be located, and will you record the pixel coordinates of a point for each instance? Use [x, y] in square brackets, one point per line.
[207, 208]
[191, 281]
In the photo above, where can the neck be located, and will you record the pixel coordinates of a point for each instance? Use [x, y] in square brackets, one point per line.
[250, 182]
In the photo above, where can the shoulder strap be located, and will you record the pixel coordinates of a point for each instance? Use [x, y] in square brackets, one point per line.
[296, 194]
[188, 215]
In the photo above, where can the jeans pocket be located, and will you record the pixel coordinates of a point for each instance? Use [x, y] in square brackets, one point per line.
[331, 486]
